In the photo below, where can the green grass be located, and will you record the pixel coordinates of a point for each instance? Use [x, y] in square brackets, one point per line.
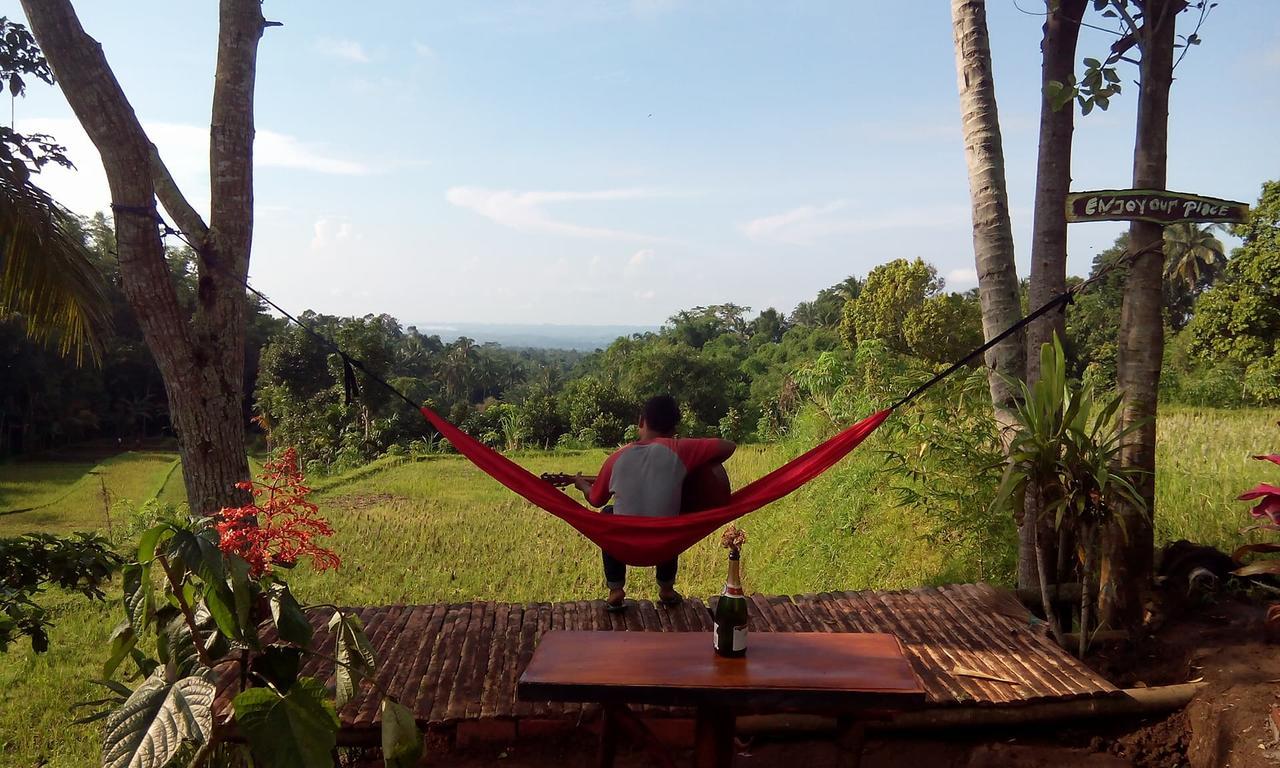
[69, 497]
[441, 530]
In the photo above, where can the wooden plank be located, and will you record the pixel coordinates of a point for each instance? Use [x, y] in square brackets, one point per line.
[818, 669]
[998, 656]
[1040, 654]
[496, 668]
[465, 691]
[844, 612]
[784, 607]
[1157, 205]
[528, 638]
[451, 650]
[430, 681]
[544, 619]
[415, 632]
[1057, 672]
[648, 613]
[421, 659]
[568, 620]
[943, 657]
[506, 702]
[388, 643]
[937, 621]
[941, 689]
[760, 615]
[820, 618]
[699, 615]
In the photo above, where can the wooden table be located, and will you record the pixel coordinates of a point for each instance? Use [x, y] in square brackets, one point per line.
[851, 675]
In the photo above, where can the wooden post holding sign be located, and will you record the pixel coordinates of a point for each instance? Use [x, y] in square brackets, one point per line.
[1159, 206]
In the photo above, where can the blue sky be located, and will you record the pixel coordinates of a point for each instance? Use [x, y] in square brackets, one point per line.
[614, 162]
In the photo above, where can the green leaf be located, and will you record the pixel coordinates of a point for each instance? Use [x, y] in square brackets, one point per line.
[1092, 63]
[158, 722]
[401, 741]
[290, 621]
[278, 665]
[354, 653]
[150, 539]
[200, 555]
[220, 601]
[180, 646]
[242, 589]
[296, 730]
[123, 640]
[139, 606]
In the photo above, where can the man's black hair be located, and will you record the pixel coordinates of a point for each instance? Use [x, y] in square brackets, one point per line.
[661, 414]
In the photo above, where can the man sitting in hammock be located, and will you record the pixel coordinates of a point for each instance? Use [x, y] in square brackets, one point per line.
[645, 479]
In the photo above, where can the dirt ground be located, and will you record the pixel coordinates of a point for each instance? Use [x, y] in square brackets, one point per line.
[1228, 725]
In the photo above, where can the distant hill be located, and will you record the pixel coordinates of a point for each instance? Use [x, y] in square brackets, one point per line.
[583, 338]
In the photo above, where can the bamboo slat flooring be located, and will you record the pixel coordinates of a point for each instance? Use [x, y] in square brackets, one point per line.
[970, 645]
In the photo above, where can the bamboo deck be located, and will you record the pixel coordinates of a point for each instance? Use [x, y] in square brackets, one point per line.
[970, 645]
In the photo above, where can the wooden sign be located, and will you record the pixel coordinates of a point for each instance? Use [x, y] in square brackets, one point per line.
[1159, 206]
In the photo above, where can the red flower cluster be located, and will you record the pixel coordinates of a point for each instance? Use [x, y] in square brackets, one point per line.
[1268, 496]
[278, 527]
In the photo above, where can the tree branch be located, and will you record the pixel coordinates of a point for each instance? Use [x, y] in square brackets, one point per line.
[101, 107]
[187, 613]
[182, 212]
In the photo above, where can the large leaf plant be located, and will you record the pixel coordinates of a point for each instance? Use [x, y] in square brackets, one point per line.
[1065, 448]
[206, 594]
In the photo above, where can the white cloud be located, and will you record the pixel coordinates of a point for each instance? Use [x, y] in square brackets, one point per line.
[770, 227]
[645, 295]
[962, 279]
[810, 223]
[423, 50]
[524, 210]
[637, 262]
[348, 50]
[330, 232]
[280, 150]
[185, 149]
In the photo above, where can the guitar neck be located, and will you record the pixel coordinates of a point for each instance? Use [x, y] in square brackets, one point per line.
[564, 479]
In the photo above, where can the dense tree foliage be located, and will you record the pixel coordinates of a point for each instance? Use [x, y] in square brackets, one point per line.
[47, 401]
[738, 374]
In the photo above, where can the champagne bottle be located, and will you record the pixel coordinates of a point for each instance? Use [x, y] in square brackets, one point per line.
[730, 622]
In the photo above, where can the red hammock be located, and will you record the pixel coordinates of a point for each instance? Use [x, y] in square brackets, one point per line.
[653, 540]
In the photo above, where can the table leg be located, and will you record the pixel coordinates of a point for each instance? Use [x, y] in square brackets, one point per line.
[713, 740]
[608, 735]
[852, 737]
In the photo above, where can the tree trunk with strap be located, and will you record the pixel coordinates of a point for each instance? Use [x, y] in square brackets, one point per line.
[200, 354]
[1049, 229]
[1128, 553]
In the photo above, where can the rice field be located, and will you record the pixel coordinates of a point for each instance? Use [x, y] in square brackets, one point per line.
[438, 529]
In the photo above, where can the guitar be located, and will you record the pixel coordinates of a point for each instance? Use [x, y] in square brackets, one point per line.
[563, 479]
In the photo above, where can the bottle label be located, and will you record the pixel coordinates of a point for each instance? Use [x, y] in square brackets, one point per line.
[739, 637]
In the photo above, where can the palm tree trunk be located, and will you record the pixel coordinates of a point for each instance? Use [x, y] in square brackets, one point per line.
[1089, 538]
[201, 356]
[998, 290]
[1129, 554]
[992, 230]
[1049, 229]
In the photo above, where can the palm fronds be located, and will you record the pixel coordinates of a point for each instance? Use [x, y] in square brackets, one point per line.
[46, 274]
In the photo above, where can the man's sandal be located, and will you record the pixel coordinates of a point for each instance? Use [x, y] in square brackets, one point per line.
[673, 601]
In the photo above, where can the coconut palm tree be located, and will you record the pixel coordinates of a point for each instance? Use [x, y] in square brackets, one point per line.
[1192, 254]
[46, 274]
